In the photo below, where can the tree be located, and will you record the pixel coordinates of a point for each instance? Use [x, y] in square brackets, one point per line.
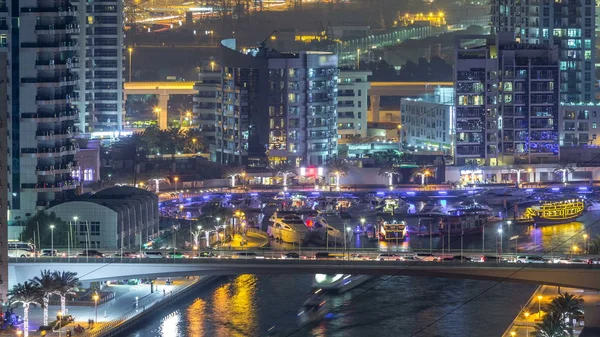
[37, 229]
[232, 172]
[423, 171]
[567, 306]
[594, 246]
[338, 168]
[551, 326]
[563, 170]
[284, 170]
[66, 282]
[47, 285]
[472, 165]
[28, 294]
[389, 171]
[194, 141]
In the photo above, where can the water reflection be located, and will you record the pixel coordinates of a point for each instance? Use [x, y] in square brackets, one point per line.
[196, 316]
[169, 326]
[234, 308]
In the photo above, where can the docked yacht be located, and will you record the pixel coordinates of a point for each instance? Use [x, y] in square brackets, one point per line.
[326, 232]
[338, 283]
[287, 228]
[554, 212]
[362, 209]
[247, 204]
[389, 231]
[272, 206]
[462, 223]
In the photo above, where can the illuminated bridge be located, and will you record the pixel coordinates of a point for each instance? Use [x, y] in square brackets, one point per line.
[567, 275]
[163, 90]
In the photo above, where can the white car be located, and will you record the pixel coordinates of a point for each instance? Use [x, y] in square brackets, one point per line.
[562, 260]
[425, 257]
[389, 257]
[246, 256]
[529, 259]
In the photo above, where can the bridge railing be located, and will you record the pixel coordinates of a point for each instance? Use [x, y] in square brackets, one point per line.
[224, 263]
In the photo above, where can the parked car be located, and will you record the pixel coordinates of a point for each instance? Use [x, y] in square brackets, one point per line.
[49, 252]
[530, 259]
[290, 256]
[91, 253]
[128, 255]
[389, 257]
[360, 257]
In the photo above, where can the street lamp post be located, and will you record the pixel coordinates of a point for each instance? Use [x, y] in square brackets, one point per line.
[527, 325]
[130, 49]
[539, 297]
[51, 240]
[176, 180]
[96, 297]
[60, 316]
[358, 59]
[585, 245]
[500, 252]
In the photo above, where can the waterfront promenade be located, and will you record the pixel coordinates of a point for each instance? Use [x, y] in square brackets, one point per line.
[122, 304]
[524, 324]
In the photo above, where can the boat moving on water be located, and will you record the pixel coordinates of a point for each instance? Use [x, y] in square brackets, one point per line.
[338, 283]
[554, 212]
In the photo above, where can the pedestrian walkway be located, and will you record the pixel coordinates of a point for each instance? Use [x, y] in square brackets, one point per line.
[126, 297]
[533, 312]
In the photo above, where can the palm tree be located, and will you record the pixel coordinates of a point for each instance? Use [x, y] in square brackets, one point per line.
[338, 168]
[567, 306]
[47, 284]
[423, 171]
[66, 282]
[594, 246]
[389, 171]
[284, 170]
[563, 170]
[27, 293]
[232, 172]
[551, 326]
[194, 141]
[518, 169]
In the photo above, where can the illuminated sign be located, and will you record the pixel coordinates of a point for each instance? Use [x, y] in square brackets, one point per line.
[471, 172]
[311, 171]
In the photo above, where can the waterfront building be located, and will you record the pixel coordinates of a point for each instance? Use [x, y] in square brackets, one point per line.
[42, 53]
[579, 124]
[207, 102]
[352, 105]
[4, 182]
[116, 217]
[507, 174]
[428, 122]
[276, 107]
[506, 102]
[100, 69]
[570, 25]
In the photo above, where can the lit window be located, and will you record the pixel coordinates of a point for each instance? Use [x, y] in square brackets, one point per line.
[594, 125]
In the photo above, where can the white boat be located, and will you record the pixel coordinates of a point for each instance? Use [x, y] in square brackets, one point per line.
[394, 206]
[314, 308]
[272, 206]
[338, 283]
[247, 204]
[287, 228]
[327, 232]
[363, 209]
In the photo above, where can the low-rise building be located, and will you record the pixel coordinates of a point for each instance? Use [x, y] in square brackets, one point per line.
[352, 105]
[579, 124]
[116, 217]
[428, 122]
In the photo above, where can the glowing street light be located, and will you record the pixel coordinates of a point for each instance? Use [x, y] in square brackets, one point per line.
[526, 326]
[96, 297]
[176, 180]
[130, 50]
[51, 240]
[539, 297]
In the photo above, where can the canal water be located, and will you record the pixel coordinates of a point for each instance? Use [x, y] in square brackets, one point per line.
[249, 305]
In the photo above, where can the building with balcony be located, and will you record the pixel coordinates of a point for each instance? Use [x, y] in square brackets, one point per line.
[207, 102]
[567, 24]
[579, 124]
[428, 122]
[352, 105]
[41, 48]
[4, 182]
[100, 68]
[276, 107]
[506, 102]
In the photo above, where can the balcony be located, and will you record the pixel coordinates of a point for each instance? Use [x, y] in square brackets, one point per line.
[51, 46]
[61, 11]
[52, 99]
[53, 134]
[49, 170]
[49, 152]
[51, 117]
[71, 28]
[57, 64]
[51, 81]
[52, 187]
